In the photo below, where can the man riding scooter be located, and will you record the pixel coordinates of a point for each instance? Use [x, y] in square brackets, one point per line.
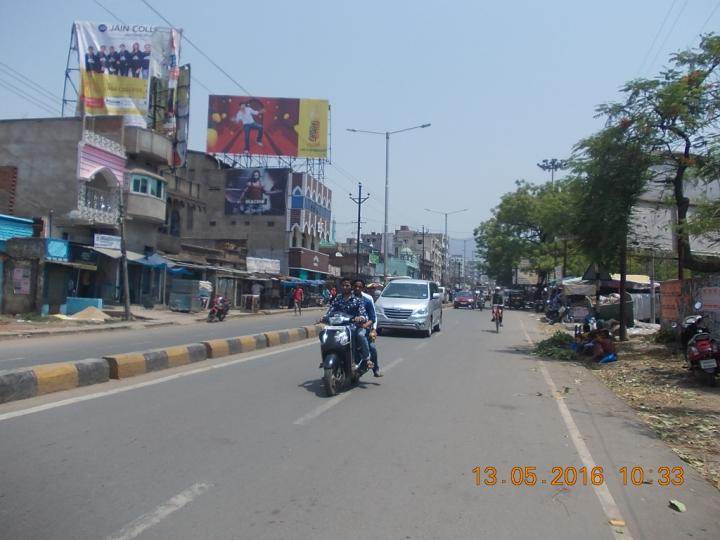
[367, 330]
[498, 303]
[353, 306]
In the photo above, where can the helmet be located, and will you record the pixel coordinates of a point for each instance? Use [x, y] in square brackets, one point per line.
[497, 288]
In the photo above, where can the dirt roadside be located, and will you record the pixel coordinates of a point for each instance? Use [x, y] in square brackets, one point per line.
[652, 379]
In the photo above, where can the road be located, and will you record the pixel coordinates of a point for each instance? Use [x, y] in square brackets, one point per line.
[248, 447]
[47, 350]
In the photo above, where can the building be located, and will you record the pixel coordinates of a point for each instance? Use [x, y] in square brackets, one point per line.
[428, 248]
[74, 176]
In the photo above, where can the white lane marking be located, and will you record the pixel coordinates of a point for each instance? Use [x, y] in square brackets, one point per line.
[612, 512]
[96, 395]
[330, 403]
[11, 359]
[144, 522]
[421, 346]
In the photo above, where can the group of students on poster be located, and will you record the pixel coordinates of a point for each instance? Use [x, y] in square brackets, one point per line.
[122, 62]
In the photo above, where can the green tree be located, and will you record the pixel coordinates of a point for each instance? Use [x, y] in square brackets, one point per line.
[676, 116]
[532, 223]
[613, 169]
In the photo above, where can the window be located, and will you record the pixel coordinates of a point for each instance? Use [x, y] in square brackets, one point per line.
[270, 223]
[247, 223]
[233, 222]
[213, 223]
[148, 185]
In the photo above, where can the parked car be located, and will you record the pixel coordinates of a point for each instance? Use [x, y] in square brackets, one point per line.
[464, 299]
[410, 304]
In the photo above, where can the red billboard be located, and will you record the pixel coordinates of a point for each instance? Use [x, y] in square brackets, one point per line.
[268, 126]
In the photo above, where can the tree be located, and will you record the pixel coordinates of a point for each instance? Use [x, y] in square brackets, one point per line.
[676, 116]
[613, 169]
[531, 223]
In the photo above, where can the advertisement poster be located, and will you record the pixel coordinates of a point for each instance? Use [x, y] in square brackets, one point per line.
[268, 126]
[116, 63]
[256, 191]
[21, 280]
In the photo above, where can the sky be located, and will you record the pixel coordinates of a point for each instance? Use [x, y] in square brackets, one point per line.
[504, 84]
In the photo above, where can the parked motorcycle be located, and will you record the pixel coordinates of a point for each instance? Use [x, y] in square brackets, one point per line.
[702, 351]
[342, 365]
[219, 309]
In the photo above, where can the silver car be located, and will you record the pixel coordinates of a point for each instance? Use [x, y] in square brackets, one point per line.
[410, 304]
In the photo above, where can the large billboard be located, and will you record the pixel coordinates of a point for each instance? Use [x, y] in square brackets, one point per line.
[116, 63]
[258, 191]
[268, 126]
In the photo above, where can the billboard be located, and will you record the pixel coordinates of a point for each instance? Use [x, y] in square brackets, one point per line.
[116, 63]
[258, 191]
[268, 126]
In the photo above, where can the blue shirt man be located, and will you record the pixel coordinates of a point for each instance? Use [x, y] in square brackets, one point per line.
[353, 306]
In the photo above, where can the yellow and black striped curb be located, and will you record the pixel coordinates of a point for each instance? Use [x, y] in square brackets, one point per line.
[34, 381]
[136, 363]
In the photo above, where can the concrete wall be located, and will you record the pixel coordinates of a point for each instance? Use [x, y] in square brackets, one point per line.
[45, 154]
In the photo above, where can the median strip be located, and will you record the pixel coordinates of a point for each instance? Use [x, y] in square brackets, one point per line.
[23, 383]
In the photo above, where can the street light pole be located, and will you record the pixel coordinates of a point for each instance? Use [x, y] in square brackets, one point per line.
[447, 240]
[387, 184]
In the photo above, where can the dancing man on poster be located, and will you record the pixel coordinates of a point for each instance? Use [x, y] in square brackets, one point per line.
[246, 115]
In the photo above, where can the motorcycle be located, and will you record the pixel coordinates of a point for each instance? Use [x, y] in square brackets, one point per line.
[702, 351]
[559, 314]
[219, 310]
[342, 365]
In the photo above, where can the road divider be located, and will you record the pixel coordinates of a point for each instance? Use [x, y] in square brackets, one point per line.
[23, 383]
[35, 381]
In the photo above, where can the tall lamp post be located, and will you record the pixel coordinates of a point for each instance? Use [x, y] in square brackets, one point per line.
[447, 240]
[387, 183]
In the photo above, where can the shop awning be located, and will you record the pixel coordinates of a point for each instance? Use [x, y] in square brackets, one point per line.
[81, 266]
[116, 254]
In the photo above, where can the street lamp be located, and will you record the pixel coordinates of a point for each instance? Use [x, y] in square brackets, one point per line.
[447, 240]
[387, 182]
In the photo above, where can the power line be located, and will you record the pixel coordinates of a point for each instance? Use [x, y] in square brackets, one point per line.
[110, 12]
[27, 80]
[198, 49]
[667, 36]
[657, 35]
[19, 93]
[709, 17]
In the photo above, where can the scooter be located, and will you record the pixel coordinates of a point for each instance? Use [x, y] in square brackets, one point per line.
[219, 309]
[342, 365]
[702, 351]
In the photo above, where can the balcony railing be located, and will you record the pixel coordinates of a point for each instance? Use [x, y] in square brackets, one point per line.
[97, 205]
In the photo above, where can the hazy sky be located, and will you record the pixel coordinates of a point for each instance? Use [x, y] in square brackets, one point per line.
[504, 84]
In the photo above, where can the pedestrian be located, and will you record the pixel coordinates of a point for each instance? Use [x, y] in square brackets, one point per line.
[298, 297]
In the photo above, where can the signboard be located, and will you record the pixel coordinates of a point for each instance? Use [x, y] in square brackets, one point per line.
[256, 191]
[117, 61]
[107, 241]
[710, 298]
[268, 126]
[309, 260]
[267, 266]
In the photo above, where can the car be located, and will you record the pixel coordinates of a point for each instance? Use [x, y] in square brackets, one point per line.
[410, 304]
[464, 299]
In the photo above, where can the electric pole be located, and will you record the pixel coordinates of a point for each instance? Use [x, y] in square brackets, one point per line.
[422, 259]
[359, 200]
[123, 257]
[553, 165]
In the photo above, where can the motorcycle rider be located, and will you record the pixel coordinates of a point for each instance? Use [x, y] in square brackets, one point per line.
[353, 306]
[498, 301]
[368, 327]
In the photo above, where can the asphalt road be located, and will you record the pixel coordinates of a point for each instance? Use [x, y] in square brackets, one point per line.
[248, 447]
[47, 350]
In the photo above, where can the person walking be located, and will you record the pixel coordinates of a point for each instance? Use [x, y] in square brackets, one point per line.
[298, 297]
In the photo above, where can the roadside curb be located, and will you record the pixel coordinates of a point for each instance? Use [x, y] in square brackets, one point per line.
[261, 312]
[34, 381]
[27, 382]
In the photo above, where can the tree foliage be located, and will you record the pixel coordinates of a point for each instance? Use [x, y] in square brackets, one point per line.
[676, 116]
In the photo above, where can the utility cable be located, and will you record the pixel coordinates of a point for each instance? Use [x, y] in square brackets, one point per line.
[667, 36]
[657, 35]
